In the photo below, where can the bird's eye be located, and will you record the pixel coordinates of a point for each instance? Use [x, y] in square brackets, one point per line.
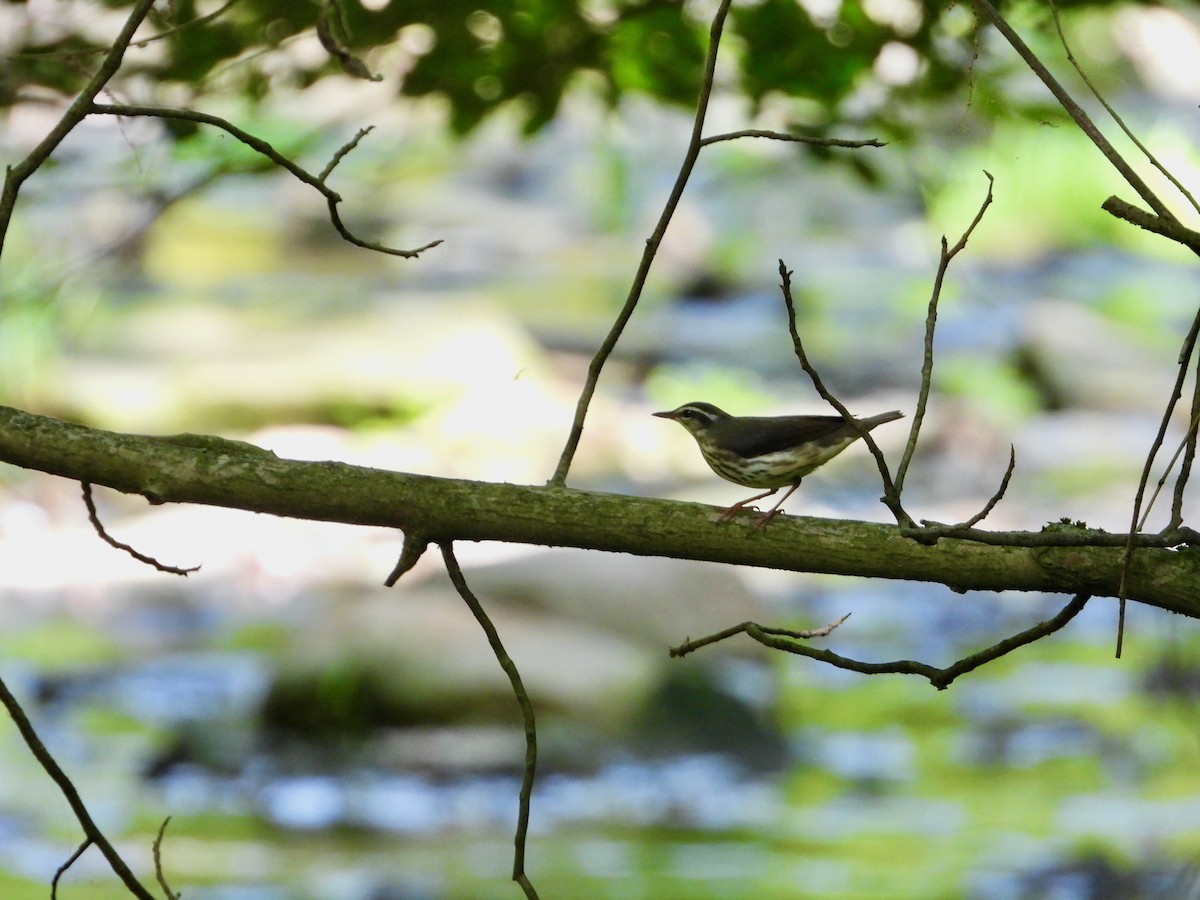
[687, 414]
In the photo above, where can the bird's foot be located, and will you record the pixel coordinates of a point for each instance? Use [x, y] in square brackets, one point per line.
[762, 521]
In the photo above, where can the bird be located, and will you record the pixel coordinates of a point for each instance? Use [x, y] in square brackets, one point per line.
[767, 451]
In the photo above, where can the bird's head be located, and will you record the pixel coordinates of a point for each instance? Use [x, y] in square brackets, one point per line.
[695, 417]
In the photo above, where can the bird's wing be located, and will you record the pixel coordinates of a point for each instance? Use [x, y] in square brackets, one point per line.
[774, 434]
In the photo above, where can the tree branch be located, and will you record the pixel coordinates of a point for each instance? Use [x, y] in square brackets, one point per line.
[237, 475]
[102, 533]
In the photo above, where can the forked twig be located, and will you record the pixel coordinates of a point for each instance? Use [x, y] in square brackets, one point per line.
[51, 767]
[514, 678]
[940, 678]
[930, 532]
[332, 197]
[890, 497]
[690, 646]
[947, 255]
[98, 526]
[62, 870]
[652, 243]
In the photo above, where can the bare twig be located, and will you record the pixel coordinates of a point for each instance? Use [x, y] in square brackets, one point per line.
[514, 678]
[332, 197]
[795, 138]
[939, 530]
[62, 870]
[411, 551]
[59, 777]
[940, 678]
[559, 478]
[158, 869]
[94, 518]
[947, 255]
[890, 497]
[690, 646]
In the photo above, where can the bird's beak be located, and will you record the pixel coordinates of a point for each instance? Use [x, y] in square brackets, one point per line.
[664, 415]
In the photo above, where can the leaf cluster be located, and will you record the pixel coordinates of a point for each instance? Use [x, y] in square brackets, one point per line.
[479, 55]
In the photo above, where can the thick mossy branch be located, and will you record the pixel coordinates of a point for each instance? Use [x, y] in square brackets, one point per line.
[233, 474]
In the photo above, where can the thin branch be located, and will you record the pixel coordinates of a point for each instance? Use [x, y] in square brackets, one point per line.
[332, 197]
[942, 530]
[1054, 535]
[158, 869]
[947, 255]
[1150, 157]
[559, 478]
[890, 497]
[62, 870]
[514, 678]
[410, 551]
[59, 777]
[940, 678]
[98, 526]
[690, 646]
[795, 138]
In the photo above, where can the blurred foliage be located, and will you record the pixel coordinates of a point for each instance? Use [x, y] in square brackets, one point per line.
[826, 61]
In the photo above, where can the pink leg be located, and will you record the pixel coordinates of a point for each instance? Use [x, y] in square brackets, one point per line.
[761, 521]
[732, 511]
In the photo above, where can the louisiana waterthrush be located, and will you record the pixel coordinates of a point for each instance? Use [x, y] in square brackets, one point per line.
[767, 451]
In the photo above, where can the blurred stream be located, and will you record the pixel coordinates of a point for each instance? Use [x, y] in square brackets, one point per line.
[313, 735]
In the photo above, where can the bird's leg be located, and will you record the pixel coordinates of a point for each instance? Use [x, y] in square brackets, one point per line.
[733, 510]
[761, 521]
